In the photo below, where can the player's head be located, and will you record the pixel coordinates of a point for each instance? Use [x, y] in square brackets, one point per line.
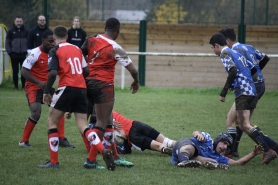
[218, 41]
[222, 142]
[112, 26]
[76, 22]
[47, 40]
[230, 35]
[60, 33]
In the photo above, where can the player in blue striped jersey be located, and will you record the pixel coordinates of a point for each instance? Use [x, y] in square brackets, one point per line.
[240, 80]
[188, 152]
[259, 59]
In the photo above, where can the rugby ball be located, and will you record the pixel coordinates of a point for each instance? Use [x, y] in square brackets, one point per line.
[119, 140]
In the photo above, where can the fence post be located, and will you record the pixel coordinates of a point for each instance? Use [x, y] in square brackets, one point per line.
[142, 48]
[242, 26]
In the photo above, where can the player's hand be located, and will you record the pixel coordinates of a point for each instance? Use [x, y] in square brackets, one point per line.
[47, 98]
[41, 85]
[117, 125]
[222, 99]
[68, 115]
[134, 87]
[258, 149]
[199, 137]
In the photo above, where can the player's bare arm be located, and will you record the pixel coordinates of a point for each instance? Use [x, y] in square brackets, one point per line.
[134, 73]
[257, 150]
[27, 75]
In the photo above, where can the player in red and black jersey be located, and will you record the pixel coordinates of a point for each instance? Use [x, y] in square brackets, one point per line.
[103, 54]
[67, 61]
[35, 72]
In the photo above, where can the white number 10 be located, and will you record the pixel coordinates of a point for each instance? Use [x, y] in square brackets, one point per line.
[76, 66]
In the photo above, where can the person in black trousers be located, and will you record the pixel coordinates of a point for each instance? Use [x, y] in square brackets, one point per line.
[16, 47]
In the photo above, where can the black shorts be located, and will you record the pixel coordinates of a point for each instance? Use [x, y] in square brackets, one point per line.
[37, 95]
[183, 142]
[70, 98]
[260, 88]
[99, 92]
[243, 102]
[141, 135]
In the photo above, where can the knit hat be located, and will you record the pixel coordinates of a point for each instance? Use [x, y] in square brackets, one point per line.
[224, 136]
[112, 23]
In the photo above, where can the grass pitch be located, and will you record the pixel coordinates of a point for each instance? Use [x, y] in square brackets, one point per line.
[175, 113]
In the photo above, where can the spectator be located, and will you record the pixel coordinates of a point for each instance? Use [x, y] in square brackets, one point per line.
[35, 35]
[76, 35]
[16, 48]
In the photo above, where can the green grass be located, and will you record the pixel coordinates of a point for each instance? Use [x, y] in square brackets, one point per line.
[175, 113]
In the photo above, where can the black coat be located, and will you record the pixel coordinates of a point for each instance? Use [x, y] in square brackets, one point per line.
[16, 39]
[76, 36]
[35, 37]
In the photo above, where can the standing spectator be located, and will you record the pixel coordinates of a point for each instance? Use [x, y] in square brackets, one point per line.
[35, 35]
[15, 46]
[35, 70]
[103, 54]
[76, 35]
[240, 79]
[67, 61]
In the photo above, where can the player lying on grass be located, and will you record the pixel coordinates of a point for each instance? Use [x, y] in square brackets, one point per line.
[140, 135]
[107, 142]
[201, 149]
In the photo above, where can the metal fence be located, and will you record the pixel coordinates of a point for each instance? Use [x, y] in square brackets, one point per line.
[257, 12]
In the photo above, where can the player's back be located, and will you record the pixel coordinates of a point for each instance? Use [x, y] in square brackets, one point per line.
[243, 83]
[101, 58]
[253, 55]
[71, 63]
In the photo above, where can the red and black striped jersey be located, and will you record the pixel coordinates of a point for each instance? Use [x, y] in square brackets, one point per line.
[69, 62]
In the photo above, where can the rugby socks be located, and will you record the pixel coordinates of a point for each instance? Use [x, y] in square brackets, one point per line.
[28, 128]
[61, 128]
[270, 142]
[183, 156]
[53, 144]
[232, 132]
[95, 143]
[237, 138]
[167, 142]
[255, 135]
[109, 141]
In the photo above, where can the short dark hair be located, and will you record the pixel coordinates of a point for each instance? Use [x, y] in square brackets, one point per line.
[112, 23]
[47, 33]
[229, 33]
[18, 17]
[218, 38]
[60, 32]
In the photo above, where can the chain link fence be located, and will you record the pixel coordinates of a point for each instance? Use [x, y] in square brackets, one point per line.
[257, 12]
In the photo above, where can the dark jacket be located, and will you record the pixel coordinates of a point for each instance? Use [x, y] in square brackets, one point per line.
[35, 37]
[76, 36]
[16, 39]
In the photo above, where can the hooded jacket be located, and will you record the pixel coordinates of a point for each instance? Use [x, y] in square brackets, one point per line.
[76, 36]
[35, 37]
[16, 39]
